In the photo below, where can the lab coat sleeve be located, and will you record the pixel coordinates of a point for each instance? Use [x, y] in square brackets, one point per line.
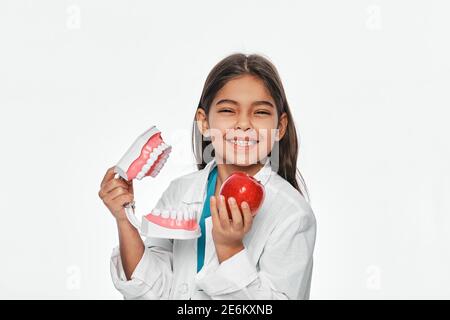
[152, 277]
[284, 271]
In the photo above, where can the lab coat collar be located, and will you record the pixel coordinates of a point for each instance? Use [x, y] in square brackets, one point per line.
[193, 195]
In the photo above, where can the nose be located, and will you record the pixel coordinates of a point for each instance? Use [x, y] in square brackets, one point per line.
[243, 122]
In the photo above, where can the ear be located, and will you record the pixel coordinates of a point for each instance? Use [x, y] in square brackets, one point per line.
[282, 126]
[202, 121]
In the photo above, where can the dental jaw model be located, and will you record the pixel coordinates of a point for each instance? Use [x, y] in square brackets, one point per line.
[146, 157]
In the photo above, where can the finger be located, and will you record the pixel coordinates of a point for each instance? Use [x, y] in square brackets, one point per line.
[236, 214]
[248, 217]
[108, 176]
[214, 212]
[116, 193]
[223, 213]
[123, 200]
[111, 185]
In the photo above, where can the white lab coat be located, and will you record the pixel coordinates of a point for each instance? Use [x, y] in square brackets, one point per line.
[276, 263]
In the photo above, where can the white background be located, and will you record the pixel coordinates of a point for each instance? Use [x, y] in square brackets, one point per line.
[368, 84]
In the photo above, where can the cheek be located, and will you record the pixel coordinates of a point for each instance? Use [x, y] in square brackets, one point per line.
[220, 123]
[267, 137]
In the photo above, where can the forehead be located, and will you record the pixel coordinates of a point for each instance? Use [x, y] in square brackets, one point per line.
[247, 88]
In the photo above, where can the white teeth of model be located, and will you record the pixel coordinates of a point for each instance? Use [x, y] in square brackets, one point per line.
[150, 162]
[143, 172]
[147, 165]
[156, 212]
[165, 213]
[140, 175]
[180, 215]
[173, 214]
[185, 214]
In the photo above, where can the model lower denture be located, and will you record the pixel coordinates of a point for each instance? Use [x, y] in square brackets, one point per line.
[173, 224]
[145, 157]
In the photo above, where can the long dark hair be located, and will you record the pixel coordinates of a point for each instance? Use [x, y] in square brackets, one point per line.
[240, 64]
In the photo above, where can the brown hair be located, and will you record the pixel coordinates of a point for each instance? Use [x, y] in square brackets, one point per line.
[239, 64]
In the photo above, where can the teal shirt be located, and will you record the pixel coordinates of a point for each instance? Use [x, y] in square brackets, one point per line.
[212, 178]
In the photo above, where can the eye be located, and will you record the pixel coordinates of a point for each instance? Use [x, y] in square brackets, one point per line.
[263, 112]
[226, 110]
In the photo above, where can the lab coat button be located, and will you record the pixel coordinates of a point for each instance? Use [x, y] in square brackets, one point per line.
[183, 288]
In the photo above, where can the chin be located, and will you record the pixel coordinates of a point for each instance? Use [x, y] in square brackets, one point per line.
[243, 161]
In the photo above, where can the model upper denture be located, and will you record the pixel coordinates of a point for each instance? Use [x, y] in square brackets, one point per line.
[171, 223]
[145, 157]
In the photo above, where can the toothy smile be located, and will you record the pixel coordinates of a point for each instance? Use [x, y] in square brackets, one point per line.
[242, 142]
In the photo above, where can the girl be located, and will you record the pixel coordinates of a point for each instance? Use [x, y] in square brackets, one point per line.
[242, 123]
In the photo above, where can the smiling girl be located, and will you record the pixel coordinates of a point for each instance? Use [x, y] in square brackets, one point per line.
[242, 123]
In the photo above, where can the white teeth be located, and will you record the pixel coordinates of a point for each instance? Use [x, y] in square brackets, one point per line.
[243, 143]
[165, 213]
[145, 166]
[185, 214]
[156, 152]
[156, 212]
[173, 214]
[180, 215]
[140, 175]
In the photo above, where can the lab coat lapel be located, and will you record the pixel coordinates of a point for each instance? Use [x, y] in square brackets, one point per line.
[195, 194]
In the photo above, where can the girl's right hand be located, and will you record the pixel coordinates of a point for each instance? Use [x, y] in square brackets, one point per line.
[115, 193]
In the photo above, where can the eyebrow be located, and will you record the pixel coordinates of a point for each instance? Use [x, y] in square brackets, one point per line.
[255, 103]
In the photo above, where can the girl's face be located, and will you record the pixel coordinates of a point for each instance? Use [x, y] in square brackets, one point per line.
[242, 122]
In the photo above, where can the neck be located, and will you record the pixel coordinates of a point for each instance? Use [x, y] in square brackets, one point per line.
[225, 170]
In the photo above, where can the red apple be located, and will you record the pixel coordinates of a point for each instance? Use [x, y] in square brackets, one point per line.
[243, 187]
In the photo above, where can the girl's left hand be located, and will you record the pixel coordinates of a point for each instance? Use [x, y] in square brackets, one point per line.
[228, 233]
